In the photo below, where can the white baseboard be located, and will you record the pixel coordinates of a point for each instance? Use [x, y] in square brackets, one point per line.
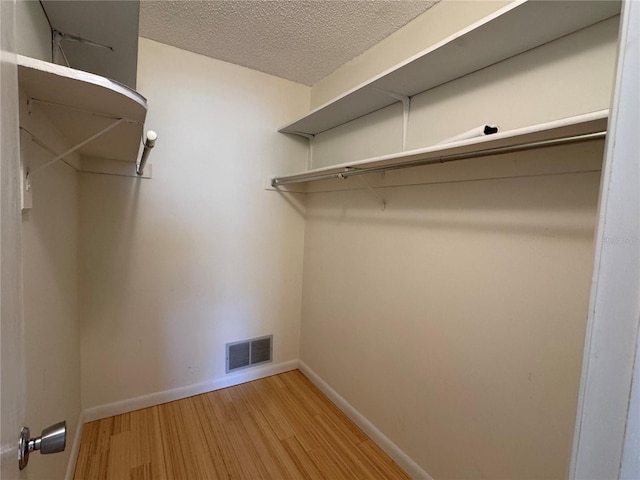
[75, 448]
[407, 464]
[157, 398]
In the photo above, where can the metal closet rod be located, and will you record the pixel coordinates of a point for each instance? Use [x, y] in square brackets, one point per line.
[351, 171]
[149, 143]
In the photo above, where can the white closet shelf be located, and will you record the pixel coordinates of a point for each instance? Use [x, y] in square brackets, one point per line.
[80, 104]
[493, 39]
[589, 126]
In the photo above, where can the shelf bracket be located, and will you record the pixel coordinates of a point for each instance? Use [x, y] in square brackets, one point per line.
[406, 106]
[380, 200]
[310, 137]
[46, 147]
[76, 147]
[58, 36]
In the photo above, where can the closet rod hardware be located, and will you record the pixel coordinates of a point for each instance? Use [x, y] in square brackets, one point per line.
[149, 143]
[351, 171]
[76, 147]
[406, 107]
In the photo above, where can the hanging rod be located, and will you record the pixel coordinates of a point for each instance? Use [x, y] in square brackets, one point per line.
[351, 171]
[149, 143]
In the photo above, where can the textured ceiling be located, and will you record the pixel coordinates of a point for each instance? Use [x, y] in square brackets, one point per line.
[301, 40]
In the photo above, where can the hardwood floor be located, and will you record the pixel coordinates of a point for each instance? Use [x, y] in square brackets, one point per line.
[280, 427]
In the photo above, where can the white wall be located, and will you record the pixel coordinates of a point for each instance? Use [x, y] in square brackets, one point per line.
[50, 272]
[454, 319]
[174, 267]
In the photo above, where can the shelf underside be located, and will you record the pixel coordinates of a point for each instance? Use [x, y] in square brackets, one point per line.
[493, 39]
[80, 104]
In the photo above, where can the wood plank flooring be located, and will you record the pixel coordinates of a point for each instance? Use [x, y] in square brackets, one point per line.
[280, 427]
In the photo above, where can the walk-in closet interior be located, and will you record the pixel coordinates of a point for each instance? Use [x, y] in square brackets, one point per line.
[441, 289]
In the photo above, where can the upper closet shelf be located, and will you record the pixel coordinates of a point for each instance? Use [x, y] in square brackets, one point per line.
[82, 104]
[587, 127]
[514, 29]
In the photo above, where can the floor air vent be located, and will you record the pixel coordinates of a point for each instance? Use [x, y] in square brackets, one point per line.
[248, 353]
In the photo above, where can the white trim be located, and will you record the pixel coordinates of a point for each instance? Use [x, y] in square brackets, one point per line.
[613, 323]
[75, 449]
[402, 459]
[52, 69]
[630, 467]
[157, 398]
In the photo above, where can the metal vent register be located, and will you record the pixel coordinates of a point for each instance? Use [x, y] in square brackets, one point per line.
[248, 353]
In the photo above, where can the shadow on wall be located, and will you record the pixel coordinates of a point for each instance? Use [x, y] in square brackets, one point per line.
[132, 263]
[114, 229]
[109, 222]
[528, 193]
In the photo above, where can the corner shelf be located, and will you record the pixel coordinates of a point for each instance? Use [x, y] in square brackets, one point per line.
[586, 127]
[81, 104]
[493, 39]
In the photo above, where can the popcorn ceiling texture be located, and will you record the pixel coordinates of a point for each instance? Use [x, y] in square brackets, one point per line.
[300, 40]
